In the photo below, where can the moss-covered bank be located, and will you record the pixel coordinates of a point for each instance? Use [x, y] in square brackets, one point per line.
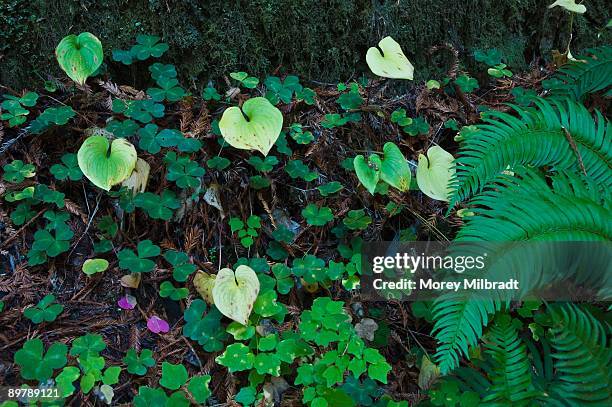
[322, 39]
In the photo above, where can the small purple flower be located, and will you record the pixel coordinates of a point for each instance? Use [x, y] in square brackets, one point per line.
[157, 325]
[127, 302]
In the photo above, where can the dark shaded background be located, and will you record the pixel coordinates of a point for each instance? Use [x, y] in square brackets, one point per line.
[316, 39]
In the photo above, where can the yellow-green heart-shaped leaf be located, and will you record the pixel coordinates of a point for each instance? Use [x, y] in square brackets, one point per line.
[235, 293]
[394, 169]
[106, 164]
[570, 5]
[79, 56]
[93, 266]
[434, 173]
[254, 127]
[368, 171]
[389, 61]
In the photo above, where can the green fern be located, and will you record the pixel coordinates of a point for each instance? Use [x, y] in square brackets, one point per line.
[459, 322]
[583, 357]
[521, 208]
[557, 134]
[588, 74]
[511, 378]
[524, 207]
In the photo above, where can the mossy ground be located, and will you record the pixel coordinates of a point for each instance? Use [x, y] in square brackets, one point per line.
[322, 40]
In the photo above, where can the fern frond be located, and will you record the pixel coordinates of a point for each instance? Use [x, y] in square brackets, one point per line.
[590, 73]
[523, 208]
[559, 134]
[511, 378]
[459, 322]
[583, 356]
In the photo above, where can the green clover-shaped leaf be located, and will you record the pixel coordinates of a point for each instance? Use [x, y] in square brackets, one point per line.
[350, 100]
[141, 110]
[297, 169]
[45, 310]
[148, 46]
[466, 83]
[210, 93]
[89, 345]
[266, 305]
[218, 163]
[183, 171]
[284, 278]
[417, 126]
[148, 397]
[198, 387]
[264, 165]
[52, 245]
[123, 56]
[22, 214]
[17, 171]
[157, 207]
[168, 90]
[316, 216]
[310, 268]
[182, 268]
[45, 194]
[205, 329]
[141, 263]
[173, 376]
[166, 289]
[65, 380]
[357, 220]
[159, 70]
[138, 364]
[330, 188]
[35, 364]
[237, 357]
[249, 82]
[267, 363]
[69, 169]
[122, 128]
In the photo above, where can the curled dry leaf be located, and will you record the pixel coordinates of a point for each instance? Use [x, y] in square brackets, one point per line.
[212, 197]
[131, 280]
[204, 284]
[137, 181]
